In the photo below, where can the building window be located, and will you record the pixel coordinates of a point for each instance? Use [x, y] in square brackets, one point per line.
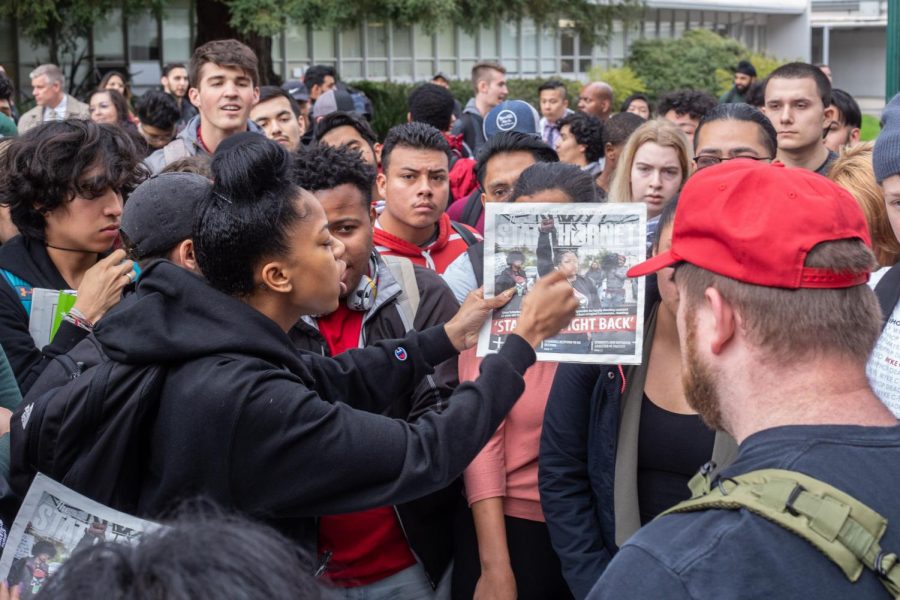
[109, 43]
[177, 19]
[143, 39]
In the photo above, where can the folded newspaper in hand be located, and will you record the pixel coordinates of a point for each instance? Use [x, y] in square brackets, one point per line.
[48, 307]
[54, 523]
[594, 245]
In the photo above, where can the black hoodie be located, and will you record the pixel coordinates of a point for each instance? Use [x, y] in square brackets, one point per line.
[260, 427]
[28, 259]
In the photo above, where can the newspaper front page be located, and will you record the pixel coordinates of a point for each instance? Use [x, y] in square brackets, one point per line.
[54, 523]
[594, 245]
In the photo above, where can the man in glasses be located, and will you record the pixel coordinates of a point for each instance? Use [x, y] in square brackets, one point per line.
[734, 131]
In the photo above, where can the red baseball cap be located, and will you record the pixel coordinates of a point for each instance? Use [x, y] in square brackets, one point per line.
[756, 222]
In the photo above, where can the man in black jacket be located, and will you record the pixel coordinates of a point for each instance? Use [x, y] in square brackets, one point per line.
[378, 549]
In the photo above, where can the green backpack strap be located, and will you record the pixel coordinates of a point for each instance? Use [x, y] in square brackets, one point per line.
[844, 529]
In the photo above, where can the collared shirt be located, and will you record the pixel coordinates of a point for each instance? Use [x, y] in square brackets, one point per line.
[58, 113]
[550, 131]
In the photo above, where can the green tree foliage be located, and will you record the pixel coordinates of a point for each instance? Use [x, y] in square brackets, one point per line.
[592, 19]
[700, 60]
[63, 26]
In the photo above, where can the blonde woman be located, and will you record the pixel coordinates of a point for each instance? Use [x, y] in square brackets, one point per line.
[654, 164]
[853, 171]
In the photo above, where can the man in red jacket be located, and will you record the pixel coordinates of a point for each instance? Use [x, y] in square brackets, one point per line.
[415, 161]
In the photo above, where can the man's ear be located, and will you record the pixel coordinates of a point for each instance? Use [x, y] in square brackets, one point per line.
[830, 114]
[373, 214]
[377, 148]
[409, 117]
[302, 122]
[274, 277]
[186, 256]
[381, 184]
[723, 320]
[194, 96]
[854, 136]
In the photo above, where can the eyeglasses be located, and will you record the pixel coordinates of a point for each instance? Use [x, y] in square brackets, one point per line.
[708, 160]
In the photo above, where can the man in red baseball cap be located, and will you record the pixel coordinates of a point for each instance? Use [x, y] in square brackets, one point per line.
[776, 323]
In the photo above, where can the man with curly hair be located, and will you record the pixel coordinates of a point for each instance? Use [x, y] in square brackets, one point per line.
[63, 183]
[581, 142]
[686, 108]
[390, 552]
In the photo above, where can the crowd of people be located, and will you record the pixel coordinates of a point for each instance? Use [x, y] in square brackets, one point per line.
[279, 310]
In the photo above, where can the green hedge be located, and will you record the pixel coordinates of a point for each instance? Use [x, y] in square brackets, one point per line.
[389, 98]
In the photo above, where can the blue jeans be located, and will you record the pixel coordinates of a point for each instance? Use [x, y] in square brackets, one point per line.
[408, 584]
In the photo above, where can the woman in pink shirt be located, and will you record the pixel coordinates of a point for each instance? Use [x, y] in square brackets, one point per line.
[503, 548]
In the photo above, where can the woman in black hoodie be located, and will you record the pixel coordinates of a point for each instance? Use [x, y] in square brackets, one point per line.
[63, 183]
[274, 433]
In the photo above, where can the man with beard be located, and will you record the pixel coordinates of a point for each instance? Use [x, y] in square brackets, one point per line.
[776, 323]
[744, 77]
[175, 82]
[279, 116]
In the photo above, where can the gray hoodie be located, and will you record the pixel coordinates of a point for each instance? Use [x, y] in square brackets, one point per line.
[186, 144]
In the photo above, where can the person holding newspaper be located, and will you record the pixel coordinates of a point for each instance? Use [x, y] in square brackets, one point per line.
[63, 183]
[244, 419]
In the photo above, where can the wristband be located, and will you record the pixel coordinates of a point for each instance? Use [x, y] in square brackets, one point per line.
[77, 318]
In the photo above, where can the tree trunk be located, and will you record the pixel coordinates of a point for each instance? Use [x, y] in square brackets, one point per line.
[212, 24]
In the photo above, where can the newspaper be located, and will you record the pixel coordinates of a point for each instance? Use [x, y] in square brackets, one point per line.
[55, 522]
[48, 307]
[595, 244]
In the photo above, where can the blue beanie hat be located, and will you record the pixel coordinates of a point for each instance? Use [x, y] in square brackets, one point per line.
[886, 154]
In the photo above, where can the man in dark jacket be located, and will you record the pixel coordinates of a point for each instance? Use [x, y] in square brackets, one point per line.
[489, 86]
[379, 548]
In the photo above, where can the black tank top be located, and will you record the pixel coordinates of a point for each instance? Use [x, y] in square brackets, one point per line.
[671, 449]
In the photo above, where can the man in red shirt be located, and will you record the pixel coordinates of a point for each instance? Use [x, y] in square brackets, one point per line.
[395, 552]
[415, 161]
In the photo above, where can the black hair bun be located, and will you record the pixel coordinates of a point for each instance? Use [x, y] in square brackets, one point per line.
[248, 165]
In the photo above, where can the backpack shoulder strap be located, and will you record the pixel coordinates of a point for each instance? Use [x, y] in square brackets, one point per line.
[404, 272]
[476, 257]
[22, 288]
[841, 527]
[175, 150]
[467, 236]
[888, 292]
[473, 209]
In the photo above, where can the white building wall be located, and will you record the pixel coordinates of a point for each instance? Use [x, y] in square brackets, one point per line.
[857, 60]
[789, 36]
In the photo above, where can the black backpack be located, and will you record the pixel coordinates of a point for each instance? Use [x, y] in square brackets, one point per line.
[90, 434]
[66, 367]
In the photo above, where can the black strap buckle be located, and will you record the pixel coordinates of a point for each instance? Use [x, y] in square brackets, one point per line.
[795, 493]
